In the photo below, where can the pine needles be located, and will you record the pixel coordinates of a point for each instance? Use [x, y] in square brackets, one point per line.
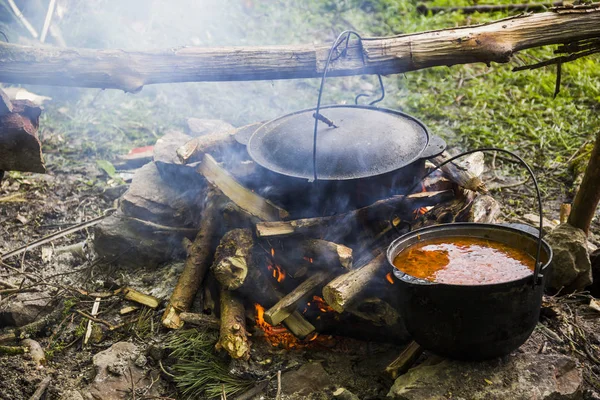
[199, 372]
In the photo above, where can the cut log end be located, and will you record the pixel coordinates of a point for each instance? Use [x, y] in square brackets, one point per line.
[233, 258]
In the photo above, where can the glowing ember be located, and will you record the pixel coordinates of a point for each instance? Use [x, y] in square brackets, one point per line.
[272, 252]
[322, 305]
[279, 336]
[389, 278]
[277, 272]
[309, 259]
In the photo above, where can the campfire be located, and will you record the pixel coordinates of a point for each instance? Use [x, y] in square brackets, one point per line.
[305, 266]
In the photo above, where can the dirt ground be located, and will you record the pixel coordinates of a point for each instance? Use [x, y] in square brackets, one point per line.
[63, 281]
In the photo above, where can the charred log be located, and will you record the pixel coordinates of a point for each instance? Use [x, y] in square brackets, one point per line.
[346, 223]
[464, 173]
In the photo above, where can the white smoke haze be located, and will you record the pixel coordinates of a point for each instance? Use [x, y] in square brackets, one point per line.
[159, 24]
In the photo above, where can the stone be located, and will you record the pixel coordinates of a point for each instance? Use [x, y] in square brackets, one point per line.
[165, 202]
[115, 371]
[515, 377]
[25, 308]
[71, 395]
[201, 127]
[534, 219]
[169, 166]
[571, 269]
[309, 378]
[131, 243]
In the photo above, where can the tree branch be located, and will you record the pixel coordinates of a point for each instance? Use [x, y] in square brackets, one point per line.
[131, 70]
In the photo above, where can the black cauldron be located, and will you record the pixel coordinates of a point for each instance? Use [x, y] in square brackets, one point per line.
[471, 322]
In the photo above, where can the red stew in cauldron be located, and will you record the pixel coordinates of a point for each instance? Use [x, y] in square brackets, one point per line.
[464, 260]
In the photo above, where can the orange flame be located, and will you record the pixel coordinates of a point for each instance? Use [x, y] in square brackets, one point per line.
[279, 336]
[277, 272]
[389, 278]
[322, 305]
[272, 252]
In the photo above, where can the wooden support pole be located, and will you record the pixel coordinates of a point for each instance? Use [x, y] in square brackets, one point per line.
[130, 70]
[588, 196]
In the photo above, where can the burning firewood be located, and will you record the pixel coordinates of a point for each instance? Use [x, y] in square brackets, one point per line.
[329, 254]
[233, 258]
[381, 209]
[20, 148]
[287, 305]
[341, 291]
[196, 265]
[245, 199]
[235, 269]
[233, 337]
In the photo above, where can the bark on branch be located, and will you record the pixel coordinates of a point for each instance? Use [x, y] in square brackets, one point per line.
[131, 70]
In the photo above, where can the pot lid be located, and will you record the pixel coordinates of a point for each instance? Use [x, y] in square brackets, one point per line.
[365, 141]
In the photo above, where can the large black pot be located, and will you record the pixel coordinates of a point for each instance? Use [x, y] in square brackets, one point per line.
[471, 322]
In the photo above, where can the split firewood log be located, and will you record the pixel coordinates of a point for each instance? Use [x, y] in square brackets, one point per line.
[20, 148]
[233, 337]
[250, 202]
[196, 264]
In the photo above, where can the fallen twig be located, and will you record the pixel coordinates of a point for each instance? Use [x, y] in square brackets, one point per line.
[278, 395]
[13, 350]
[95, 308]
[56, 235]
[41, 389]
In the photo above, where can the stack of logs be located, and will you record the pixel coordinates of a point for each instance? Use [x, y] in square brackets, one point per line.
[243, 264]
[20, 148]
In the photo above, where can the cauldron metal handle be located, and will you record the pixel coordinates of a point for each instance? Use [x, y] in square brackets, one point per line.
[538, 264]
[316, 115]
